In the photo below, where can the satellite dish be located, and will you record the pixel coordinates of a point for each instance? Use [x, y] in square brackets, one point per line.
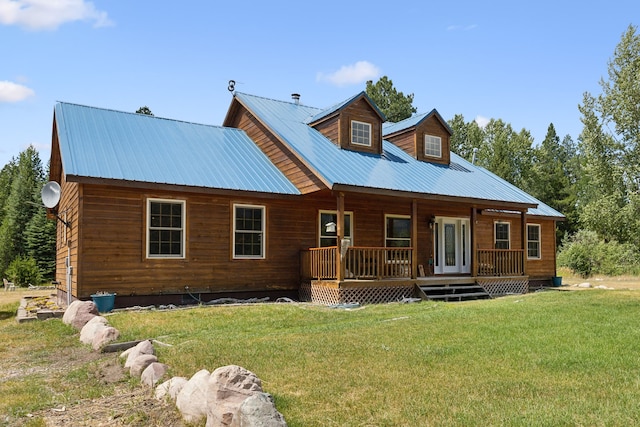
[50, 194]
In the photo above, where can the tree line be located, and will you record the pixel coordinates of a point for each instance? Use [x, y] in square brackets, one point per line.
[594, 181]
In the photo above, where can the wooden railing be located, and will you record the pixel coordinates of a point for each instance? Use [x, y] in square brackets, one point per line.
[358, 263]
[500, 262]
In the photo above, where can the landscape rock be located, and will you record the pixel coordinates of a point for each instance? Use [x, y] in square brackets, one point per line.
[229, 386]
[104, 337]
[78, 313]
[192, 399]
[170, 388]
[584, 285]
[140, 363]
[153, 373]
[144, 347]
[91, 328]
[258, 410]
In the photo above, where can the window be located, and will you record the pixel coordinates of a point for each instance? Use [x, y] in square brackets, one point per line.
[329, 238]
[360, 133]
[248, 231]
[165, 228]
[432, 146]
[502, 235]
[398, 231]
[533, 241]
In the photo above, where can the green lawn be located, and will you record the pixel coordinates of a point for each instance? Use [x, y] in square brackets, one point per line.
[544, 359]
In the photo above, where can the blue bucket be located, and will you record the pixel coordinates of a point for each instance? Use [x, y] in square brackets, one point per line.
[104, 302]
[556, 280]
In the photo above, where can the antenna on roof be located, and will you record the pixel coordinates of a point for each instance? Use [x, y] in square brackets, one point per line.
[232, 86]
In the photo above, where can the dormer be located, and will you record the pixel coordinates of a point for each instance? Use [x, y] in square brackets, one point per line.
[355, 124]
[424, 137]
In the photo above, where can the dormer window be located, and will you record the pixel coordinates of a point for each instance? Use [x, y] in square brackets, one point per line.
[432, 146]
[360, 133]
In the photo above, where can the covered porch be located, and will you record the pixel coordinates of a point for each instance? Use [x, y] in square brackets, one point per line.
[367, 275]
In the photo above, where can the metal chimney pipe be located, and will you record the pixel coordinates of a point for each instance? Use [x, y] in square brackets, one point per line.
[296, 98]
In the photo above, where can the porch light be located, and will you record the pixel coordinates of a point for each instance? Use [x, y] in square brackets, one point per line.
[330, 227]
[432, 220]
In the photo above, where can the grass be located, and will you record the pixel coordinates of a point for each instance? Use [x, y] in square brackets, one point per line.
[550, 358]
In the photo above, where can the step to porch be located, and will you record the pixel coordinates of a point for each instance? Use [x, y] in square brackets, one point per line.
[455, 292]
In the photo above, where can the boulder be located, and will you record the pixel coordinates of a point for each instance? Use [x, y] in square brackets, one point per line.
[229, 386]
[140, 363]
[78, 313]
[192, 399]
[258, 410]
[91, 328]
[143, 347]
[153, 373]
[170, 388]
[104, 337]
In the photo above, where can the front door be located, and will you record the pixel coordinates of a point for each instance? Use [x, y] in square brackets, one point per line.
[451, 239]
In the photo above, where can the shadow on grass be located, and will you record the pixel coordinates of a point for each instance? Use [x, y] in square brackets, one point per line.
[4, 315]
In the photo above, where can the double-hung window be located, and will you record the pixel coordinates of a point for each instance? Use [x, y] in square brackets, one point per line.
[432, 146]
[165, 228]
[248, 231]
[398, 231]
[533, 241]
[502, 239]
[360, 133]
[328, 228]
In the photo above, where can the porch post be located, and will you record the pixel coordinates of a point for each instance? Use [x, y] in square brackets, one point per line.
[414, 239]
[474, 250]
[340, 236]
[523, 221]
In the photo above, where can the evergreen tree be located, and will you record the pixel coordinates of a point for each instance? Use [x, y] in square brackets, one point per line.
[40, 243]
[395, 105]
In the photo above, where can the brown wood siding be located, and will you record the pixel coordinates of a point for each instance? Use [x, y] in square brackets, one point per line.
[330, 128]
[361, 111]
[405, 141]
[68, 238]
[293, 168]
[544, 267]
[432, 126]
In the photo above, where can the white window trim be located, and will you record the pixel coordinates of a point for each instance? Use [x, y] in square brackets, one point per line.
[183, 203]
[438, 156]
[263, 231]
[322, 226]
[495, 236]
[539, 241]
[386, 229]
[351, 133]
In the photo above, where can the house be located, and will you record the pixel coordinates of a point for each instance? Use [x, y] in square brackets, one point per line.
[327, 205]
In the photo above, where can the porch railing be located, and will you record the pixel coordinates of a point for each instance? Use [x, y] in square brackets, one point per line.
[500, 262]
[359, 263]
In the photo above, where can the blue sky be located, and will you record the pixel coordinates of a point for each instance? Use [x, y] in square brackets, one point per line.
[527, 63]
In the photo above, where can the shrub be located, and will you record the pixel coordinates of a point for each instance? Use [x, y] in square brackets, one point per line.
[586, 254]
[23, 271]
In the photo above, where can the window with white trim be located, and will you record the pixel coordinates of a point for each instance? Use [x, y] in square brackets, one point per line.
[397, 231]
[432, 146]
[360, 133]
[502, 235]
[533, 241]
[165, 228]
[328, 228]
[248, 231]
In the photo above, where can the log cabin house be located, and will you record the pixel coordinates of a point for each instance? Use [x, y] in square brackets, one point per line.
[324, 205]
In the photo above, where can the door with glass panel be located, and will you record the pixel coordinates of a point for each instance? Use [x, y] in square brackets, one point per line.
[452, 246]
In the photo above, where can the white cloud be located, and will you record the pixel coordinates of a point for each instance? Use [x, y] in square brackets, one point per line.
[482, 121]
[356, 73]
[14, 92]
[50, 14]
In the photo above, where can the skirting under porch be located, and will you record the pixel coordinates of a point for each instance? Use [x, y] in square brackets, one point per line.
[332, 292]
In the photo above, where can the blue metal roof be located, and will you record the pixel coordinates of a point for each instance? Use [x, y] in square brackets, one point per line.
[339, 106]
[393, 170]
[99, 143]
[389, 128]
